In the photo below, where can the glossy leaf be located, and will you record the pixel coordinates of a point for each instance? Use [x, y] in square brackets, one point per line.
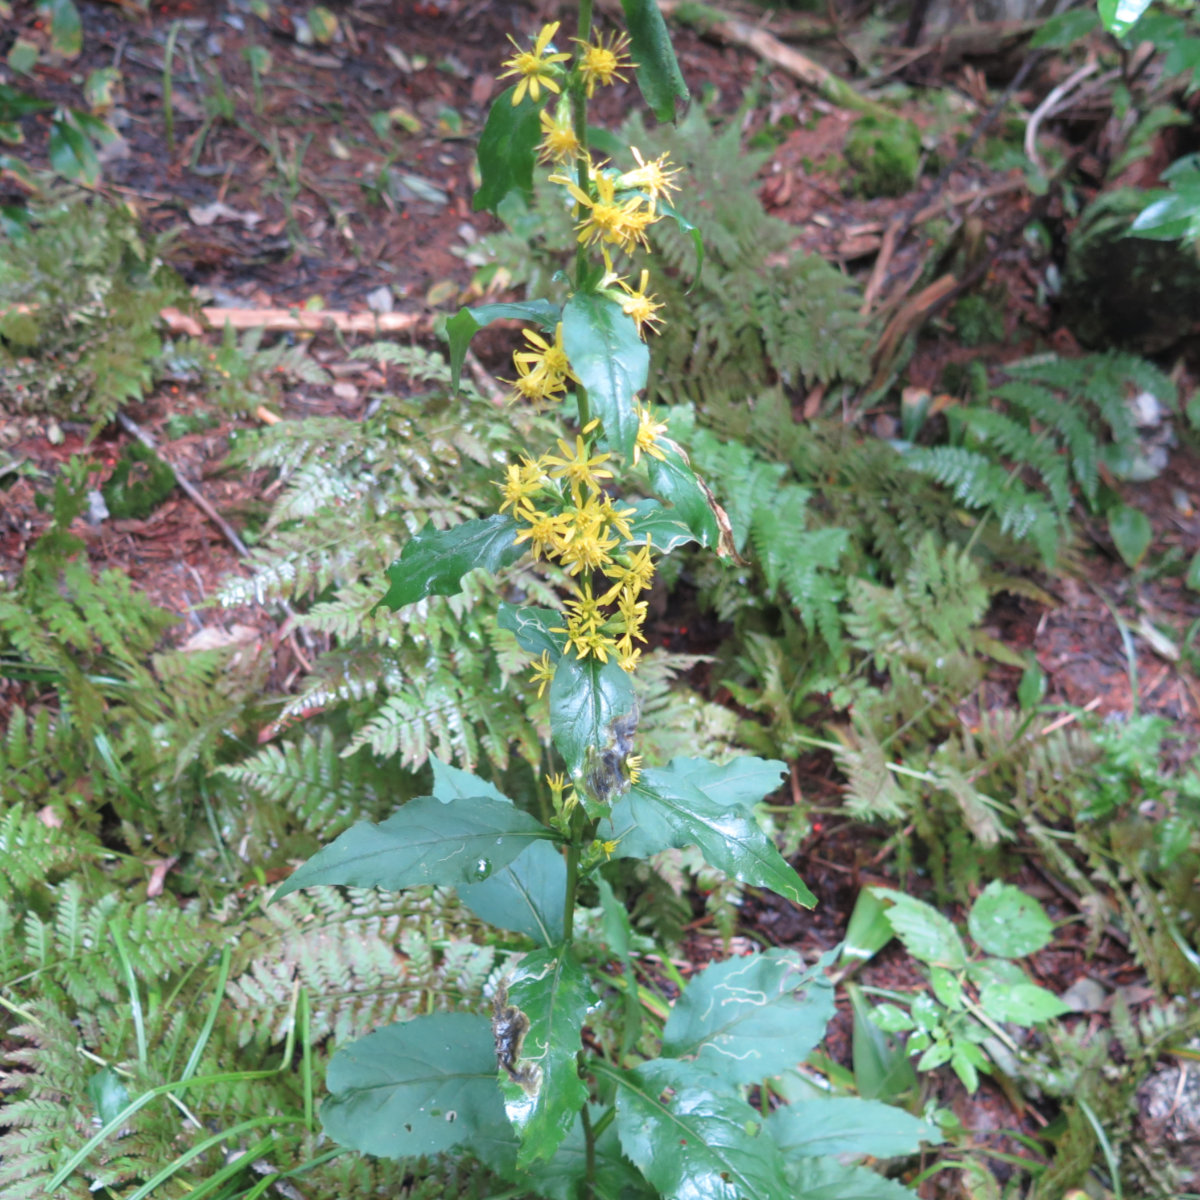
[532, 628]
[467, 322]
[550, 988]
[669, 808]
[751, 1017]
[701, 1142]
[831, 1125]
[507, 150]
[664, 530]
[1022, 1003]
[658, 75]
[996, 972]
[107, 1092]
[828, 1179]
[881, 1067]
[1120, 16]
[452, 783]
[618, 936]
[691, 502]
[526, 896]
[613, 1178]
[424, 842]
[610, 360]
[869, 929]
[1007, 922]
[926, 934]
[416, 1088]
[434, 561]
[586, 697]
[1131, 533]
[687, 227]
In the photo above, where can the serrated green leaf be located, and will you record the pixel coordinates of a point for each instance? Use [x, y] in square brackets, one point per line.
[1022, 1003]
[827, 1179]
[526, 896]
[947, 986]
[611, 361]
[832, 1125]
[424, 842]
[1006, 922]
[1131, 533]
[532, 628]
[586, 697]
[550, 988]
[664, 531]
[507, 150]
[926, 934]
[668, 808]
[416, 1088]
[434, 561]
[658, 75]
[750, 1017]
[612, 1177]
[467, 322]
[701, 1142]
[674, 480]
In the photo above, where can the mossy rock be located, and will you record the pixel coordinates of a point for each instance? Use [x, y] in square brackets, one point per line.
[140, 482]
[1124, 292]
[885, 155]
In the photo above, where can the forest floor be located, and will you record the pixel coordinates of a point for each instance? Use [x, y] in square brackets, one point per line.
[343, 181]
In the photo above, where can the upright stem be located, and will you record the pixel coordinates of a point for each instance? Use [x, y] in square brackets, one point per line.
[578, 95]
[589, 1153]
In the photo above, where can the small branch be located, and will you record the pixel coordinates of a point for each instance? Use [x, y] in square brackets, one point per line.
[1047, 106]
[284, 320]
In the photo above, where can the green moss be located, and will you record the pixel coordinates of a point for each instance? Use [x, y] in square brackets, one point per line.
[977, 321]
[885, 155]
[140, 482]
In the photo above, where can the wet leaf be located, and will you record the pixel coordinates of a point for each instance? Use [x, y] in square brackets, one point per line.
[586, 697]
[926, 934]
[691, 502]
[416, 1088]
[507, 149]
[424, 842]
[701, 1141]
[526, 896]
[434, 561]
[1007, 922]
[751, 1017]
[658, 75]
[108, 1093]
[1022, 1003]
[611, 361]
[1131, 533]
[550, 988]
[532, 628]
[828, 1179]
[467, 322]
[848, 1125]
[613, 1177]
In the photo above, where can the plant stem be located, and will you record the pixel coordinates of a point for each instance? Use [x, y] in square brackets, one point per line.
[578, 96]
[589, 1153]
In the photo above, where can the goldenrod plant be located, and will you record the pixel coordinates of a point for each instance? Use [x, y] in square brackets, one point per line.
[574, 1081]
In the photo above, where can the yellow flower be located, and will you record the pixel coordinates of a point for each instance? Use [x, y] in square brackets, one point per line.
[545, 531]
[535, 67]
[602, 64]
[655, 178]
[616, 222]
[639, 305]
[628, 662]
[543, 673]
[534, 384]
[521, 482]
[578, 465]
[649, 431]
[608, 848]
[546, 357]
[633, 767]
[634, 612]
[583, 611]
[617, 518]
[634, 577]
[559, 143]
[586, 546]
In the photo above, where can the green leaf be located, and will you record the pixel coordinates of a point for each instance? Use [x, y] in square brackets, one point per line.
[526, 896]
[751, 1017]
[702, 1142]
[426, 841]
[832, 1125]
[618, 936]
[532, 628]
[664, 530]
[72, 154]
[22, 58]
[613, 1177]
[507, 150]
[1007, 922]
[66, 29]
[453, 783]
[550, 988]
[15, 104]
[108, 1093]
[892, 1019]
[586, 697]
[467, 322]
[658, 74]
[926, 934]
[674, 807]
[1022, 1003]
[434, 561]
[1066, 28]
[996, 972]
[881, 1066]
[869, 929]
[1131, 533]
[674, 480]
[686, 226]
[827, 1179]
[1120, 16]
[610, 360]
[416, 1088]
[1192, 578]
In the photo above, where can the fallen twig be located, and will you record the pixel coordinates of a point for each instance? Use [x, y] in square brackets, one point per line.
[1047, 106]
[283, 320]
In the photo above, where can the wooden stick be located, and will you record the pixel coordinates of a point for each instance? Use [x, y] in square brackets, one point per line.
[282, 320]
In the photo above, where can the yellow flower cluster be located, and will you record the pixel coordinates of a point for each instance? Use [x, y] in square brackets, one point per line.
[598, 63]
[542, 369]
[564, 516]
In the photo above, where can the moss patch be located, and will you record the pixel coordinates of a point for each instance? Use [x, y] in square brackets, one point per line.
[140, 482]
[885, 155]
